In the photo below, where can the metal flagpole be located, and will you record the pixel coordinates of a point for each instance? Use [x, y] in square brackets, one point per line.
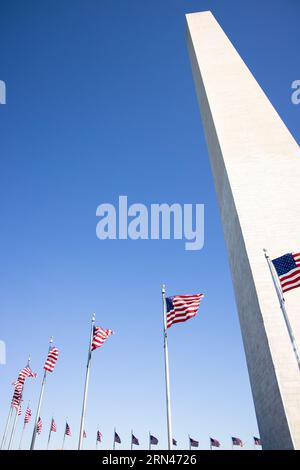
[167, 374]
[20, 445]
[64, 435]
[149, 441]
[87, 376]
[131, 445]
[190, 447]
[24, 425]
[114, 444]
[283, 309]
[17, 412]
[40, 403]
[6, 427]
[13, 428]
[49, 437]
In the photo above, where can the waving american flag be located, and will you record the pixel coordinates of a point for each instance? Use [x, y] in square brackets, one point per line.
[100, 336]
[288, 270]
[51, 359]
[182, 307]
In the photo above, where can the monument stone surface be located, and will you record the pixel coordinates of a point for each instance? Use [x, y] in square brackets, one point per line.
[255, 163]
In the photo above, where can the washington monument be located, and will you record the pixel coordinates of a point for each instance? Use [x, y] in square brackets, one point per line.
[255, 163]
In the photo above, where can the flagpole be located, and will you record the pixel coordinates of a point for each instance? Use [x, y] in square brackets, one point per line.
[114, 444]
[283, 309]
[131, 441]
[13, 428]
[49, 437]
[64, 435]
[87, 376]
[24, 425]
[40, 402]
[6, 427]
[167, 372]
[190, 447]
[149, 441]
[17, 412]
[22, 436]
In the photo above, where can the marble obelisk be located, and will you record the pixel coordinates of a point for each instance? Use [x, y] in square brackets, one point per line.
[255, 163]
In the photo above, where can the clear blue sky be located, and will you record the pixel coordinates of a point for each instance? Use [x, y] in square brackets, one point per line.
[101, 102]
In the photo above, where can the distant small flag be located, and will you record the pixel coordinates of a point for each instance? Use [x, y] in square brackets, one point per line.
[28, 414]
[214, 442]
[19, 410]
[99, 436]
[135, 440]
[39, 426]
[288, 270]
[68, 430]
[84, 434]
[182, 307]
[257, 441]
[236, 441]
[153, 440]
[117, 438]
[53, 426]
[100, 336]
[194, 443]
[51, 359]
[174, 442]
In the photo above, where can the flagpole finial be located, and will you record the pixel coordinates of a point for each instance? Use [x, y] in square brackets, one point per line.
[51, 339]
[265, 252]
[93, 318]
[163, 288]
[29, 358]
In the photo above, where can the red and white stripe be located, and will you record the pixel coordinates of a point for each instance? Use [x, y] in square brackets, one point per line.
[292, 279]
[53, 426]
[51, 359]
[184, 307]
[100, 336]
[28, 414]
[26, 372]
[39, 426]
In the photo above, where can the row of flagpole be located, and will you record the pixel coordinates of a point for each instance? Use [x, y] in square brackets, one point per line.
[106, 333]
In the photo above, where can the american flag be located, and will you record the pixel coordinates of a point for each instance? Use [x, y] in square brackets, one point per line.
[194, 443]
[28, 414]
[174, 442]
[68, 430]
[20, 410]
[117, 438]
[288, 270]
[53, 426]
[134, 440]
[84, 434]
[51, 359]
[153, 440]
[26, 372]
[99, 436]
[214, 442]
[100, 336]
[236, 441]
[182, 307]
[39, 426]
[257, 441]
